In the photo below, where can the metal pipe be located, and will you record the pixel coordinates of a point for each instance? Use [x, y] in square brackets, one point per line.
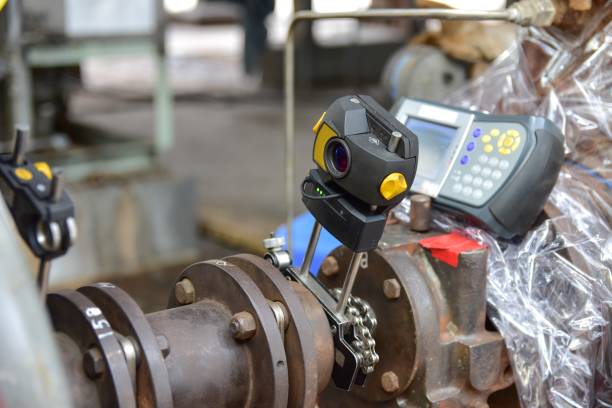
[43, 277]
[312, 245]
[349, 281]
[307, 15]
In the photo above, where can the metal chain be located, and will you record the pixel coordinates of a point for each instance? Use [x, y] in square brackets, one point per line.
[364, 323]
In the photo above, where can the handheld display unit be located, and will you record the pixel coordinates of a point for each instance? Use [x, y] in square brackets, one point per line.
[497, 170]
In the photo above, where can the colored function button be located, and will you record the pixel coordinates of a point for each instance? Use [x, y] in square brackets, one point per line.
[494, 132]
[477, 132]
[23, 174]
[513, 132]
[517, 142]
[44, 168]
[500, 141]
[505, 151]
[464, 160]
[508, 141]
[488, 148]
[486, 138]
[393, 185]
[470, 146]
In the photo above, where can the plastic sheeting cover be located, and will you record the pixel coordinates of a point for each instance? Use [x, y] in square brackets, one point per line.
[550, 292]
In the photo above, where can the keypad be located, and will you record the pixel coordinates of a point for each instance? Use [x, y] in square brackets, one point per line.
[485, 161]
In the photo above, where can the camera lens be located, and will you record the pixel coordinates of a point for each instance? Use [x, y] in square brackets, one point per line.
[337, 157]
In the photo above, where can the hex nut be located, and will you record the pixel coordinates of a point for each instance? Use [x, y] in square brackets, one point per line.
[184, 292]
[392, 288]
[93, 363]
[243, 326]
[330, 266]
[389, 382]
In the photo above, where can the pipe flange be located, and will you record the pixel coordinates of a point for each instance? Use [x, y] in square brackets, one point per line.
[126, 318]
[307, 353]
[226, 284]
[73, 314]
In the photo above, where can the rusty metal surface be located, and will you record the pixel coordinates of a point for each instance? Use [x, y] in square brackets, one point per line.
[237, 334]
[75, 315]
[434, 349]
[395, 336]
[205, 365]
[303, 365]
[126, 318]
[224, 283]
[324, 344]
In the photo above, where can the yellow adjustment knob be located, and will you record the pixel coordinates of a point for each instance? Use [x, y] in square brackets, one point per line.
[23, 174]
[44, 168]
[392, 185]
[317, 126]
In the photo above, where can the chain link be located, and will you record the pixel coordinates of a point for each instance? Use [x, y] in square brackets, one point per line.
[364, 323]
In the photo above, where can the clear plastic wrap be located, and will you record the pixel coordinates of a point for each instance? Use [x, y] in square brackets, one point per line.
[550, 293]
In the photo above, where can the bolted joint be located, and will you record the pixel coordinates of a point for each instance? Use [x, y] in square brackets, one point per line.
[392, 289]
[184, 292]
[389, 382]
[243, 326]
[93, 363]
[330, 266]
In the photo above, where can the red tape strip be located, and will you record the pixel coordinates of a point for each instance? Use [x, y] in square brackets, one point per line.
[447, 247]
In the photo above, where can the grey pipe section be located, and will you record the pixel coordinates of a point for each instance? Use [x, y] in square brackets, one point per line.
[307, 15]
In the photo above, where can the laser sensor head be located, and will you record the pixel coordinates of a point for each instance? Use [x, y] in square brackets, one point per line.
[362, 149]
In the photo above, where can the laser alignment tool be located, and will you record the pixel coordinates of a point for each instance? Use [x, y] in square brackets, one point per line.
[495, 170]
[366, 162]
[39, 204]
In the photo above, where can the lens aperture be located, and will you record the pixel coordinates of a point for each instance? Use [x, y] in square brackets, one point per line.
[337, 157]
[340, 157]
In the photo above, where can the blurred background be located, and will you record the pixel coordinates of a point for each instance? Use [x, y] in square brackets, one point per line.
[167, 117]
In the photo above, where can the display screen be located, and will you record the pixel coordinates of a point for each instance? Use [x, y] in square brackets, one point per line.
[435, 141]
